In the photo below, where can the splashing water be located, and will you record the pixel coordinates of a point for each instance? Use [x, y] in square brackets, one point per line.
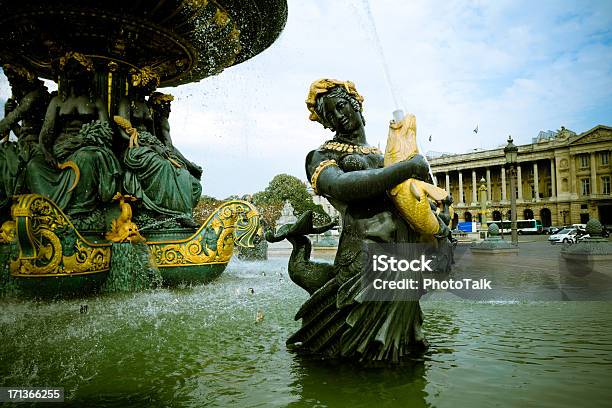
[160, 222]
[371, 24]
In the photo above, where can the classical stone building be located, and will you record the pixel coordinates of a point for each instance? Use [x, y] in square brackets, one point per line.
[563, 178]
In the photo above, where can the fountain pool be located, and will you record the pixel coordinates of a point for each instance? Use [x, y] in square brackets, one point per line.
[201, 346]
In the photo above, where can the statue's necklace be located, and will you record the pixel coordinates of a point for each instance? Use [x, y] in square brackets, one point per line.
[350, 148]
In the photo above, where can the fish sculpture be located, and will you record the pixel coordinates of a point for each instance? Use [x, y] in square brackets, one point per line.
[414, 199]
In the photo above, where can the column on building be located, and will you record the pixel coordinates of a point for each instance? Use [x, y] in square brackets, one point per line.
[435, 180]
[593, 174]
[572, 174]
[474, 188]
[489, 192]
[503, 183]
[536, 185]
[553, 181]
[519, 182]
[447, 185]
[461, 198]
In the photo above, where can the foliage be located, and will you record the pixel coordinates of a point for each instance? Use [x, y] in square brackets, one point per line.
[285, 187]
[270, 202]
[206, 206]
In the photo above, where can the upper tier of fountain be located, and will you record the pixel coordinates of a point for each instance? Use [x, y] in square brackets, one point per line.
[181, 40]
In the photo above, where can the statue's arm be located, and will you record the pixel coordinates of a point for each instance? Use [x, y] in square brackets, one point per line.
[13, 117]
[193, 168]
[47, 132]
[164, 127]
[363, 184]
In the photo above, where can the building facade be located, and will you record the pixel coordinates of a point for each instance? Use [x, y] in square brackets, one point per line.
[562, 178]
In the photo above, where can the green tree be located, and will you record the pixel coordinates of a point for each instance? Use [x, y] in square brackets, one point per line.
[285, 187]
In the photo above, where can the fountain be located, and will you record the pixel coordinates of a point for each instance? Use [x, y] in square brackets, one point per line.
[384, 200]
[94, 192]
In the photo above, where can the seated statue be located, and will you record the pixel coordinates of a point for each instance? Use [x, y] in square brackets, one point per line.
[160, 107]
[337, 321]
[24, 113]
[154, 173]
[77, 168]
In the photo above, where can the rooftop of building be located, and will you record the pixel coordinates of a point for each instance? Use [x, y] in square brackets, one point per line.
[543, 141]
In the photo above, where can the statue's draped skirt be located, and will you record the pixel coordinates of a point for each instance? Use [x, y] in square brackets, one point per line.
[9, 165]
[161, 185]
[98, 167]
[339, 321]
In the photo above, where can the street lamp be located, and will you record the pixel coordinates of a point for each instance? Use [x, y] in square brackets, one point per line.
[511, 153]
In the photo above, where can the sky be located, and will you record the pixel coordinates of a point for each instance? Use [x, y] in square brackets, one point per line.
[508, 67]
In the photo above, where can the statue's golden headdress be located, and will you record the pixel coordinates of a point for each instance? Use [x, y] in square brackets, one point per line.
[324, 85]
[142, 77]
[81, 59]
[20, 71]
[158, 98]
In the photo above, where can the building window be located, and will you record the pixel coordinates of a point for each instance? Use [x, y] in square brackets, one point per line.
[584, 161]
[586, 186]
[604, 158]
[605, 184]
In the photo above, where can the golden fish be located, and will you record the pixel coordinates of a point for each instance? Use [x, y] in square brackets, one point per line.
[413, 197]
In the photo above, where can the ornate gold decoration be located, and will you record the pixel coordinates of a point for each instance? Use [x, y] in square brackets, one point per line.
[7, 232]
[158, 98]
[82, 59]
[233, 223]
[123, 229]
[49, 245]
[350, 148]
[77, 172]
[221, 18]
[412, 197]
[142, 77]
[315, 176]
[127, 126]
[20, 71]
[324, 85]
[112, 67]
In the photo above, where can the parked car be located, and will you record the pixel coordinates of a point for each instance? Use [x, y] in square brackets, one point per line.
[566, 236]
[551, 230]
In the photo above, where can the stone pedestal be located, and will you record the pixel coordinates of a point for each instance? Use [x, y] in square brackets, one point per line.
[493, 244]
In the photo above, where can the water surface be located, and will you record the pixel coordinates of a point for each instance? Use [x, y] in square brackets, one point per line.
[202, 346]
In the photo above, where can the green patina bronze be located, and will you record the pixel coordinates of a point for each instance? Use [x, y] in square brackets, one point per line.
[93, 163]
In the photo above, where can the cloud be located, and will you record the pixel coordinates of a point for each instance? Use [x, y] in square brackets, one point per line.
[512, 67]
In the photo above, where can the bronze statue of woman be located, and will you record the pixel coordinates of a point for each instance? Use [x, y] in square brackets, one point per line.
[337, 321]
[77, 170]
[24, 114]
[153, 172]
[160, 107]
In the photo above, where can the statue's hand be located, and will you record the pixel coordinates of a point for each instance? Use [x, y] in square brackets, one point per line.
[196, 171]
[419, 167]
[50, 159]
